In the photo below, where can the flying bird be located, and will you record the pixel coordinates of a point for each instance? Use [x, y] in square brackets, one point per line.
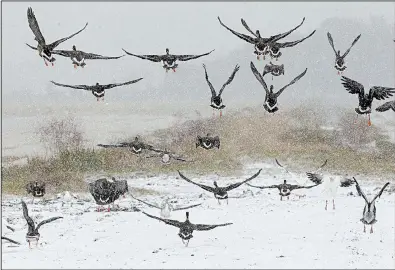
[136, 146]
[270, 104]
[340, 63]
[186, 227]
[169, 60]
[275, 70]
[166, 156]
[44, 50]
[36, 189]
[98, 90]
[220, 193]
[32, 234]
[78, 57]
[365, 100]
[216, 100]
[369, 211]
[208, 142]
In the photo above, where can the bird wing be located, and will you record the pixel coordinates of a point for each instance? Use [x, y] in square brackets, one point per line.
[353, 87]
[54, 44]
[29, 220]
[213, 94]
[315, 177]
[293, 43]
[242, 36]
[210, 189]
[292, 82]
[47, 221]
[93, 56]
[152, 205]
[263, 187]
[10, 240]
[33, 24]
[186, 207]
[259, 77]
[243, 22]
[172, 222]
[82, 86]
[386, 106]
[230, 79]
[283, 35]
[108, 86]
[10, 228]
[331, 42]
[64, 53]
[111, 145]
[34, 48]
[190, 57]
[233, 186]
[151, 57]
[359, 190]
[380, 92]
[381, 192]
[353, 43]
[203, 227]
[292, 187]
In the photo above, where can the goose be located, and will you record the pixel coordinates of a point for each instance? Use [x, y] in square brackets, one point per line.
[169, 60]
[273, 48]
[136, 146]
[98, 90]
[105, 192]
[270, 104]
[339, 61]
[186, 227]
[36, 189]
[208, 142]
[386, 106]
[369, 211]
[216, 100]
[166, 207]
[365, 100]
[260, 43]
[32, 234]
[44, 50]
[275, 70]
[220, 193]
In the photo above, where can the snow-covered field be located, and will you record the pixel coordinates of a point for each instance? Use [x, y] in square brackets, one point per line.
[266, 232]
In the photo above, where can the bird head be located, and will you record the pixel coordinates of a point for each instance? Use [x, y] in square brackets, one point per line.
[285, 181]
[271, 88]
[187, 214]
[74, 48]
[167, 50]
[258, 33]
[215, 184]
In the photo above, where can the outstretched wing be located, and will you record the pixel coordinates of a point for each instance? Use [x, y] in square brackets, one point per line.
[263, 187]
[331, 42]
[353, 87]
[381, 191]
[259, 77]
[83, 87]
[151, 57]
[381, 93]
[213, 94]
[283, 35]
[112, 145]
[315, 177]
[203, 227]
[186, 207]
[108, 86]
[190, 57]
[386, 106]
[210, 189]
[353, 43]
[232, 76]
[34, 48]
[242, 36]
[151, 205]
[93, 56]
[47, 221]
[54, 44]
[29, 220]
[292, 187]
[63, 53]
[33, 24]
[233, 186]
[293, 43]
[10, 240]
[359, 190]
[172, 222]
[243, 22]
[292, 82]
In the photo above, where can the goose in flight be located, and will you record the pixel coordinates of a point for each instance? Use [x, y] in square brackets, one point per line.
[340, 63]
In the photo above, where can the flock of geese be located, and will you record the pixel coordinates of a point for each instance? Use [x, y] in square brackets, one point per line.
[107, 191]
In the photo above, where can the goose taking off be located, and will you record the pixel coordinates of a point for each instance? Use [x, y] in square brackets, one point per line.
[270, 104]
[169, 60]
[44, 50]
[369, 211]
[365, 100]
[216, 100]
[98, 90]
[275, 70]
[220, 193]
[136, 146]
[105, 192]
[36, 189]
[340, 63]
[208, 142]
[186, 227]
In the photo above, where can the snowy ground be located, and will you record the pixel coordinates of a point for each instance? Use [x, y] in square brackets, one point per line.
[266, 232]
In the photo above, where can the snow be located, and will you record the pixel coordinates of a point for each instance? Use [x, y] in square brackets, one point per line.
[266, 232]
